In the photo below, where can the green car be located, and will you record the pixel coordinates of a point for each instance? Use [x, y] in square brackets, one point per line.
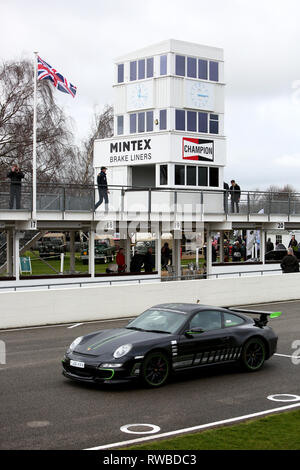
[104, 252]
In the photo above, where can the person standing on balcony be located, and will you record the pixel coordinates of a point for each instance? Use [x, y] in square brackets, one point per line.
[102, 188]
[16, 176]
[235, 192]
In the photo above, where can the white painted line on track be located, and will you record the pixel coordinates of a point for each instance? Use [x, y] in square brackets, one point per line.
[195, 428]
[286, 355]
[74, 326]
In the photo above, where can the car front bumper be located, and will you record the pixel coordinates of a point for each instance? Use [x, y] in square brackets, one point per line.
[93, 372]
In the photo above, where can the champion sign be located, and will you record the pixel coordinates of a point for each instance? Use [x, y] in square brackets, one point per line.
[197, 149]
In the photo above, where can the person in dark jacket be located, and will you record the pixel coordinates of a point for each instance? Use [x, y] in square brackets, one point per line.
[102, 188]
[237, 252]
[290, 263]
[136, 263]
[235, 192]
[149, 261]
[16, 176]
[165, 255]
[293, 243]
[270, 245]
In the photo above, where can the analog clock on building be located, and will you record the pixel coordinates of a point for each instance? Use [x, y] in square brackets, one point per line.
[199, 95]
[140, 96]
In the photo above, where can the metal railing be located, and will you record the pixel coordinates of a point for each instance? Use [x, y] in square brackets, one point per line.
[141, 280]
[78, 197]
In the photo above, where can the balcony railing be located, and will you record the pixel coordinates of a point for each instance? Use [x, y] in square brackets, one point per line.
[82, 198]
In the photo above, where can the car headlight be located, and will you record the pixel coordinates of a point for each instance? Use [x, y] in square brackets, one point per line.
[75, 343]
[122, 350]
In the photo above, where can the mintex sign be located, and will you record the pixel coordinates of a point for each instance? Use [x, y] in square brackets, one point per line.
[197, 149]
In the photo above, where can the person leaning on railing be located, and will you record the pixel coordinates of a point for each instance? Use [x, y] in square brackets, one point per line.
[16, 176]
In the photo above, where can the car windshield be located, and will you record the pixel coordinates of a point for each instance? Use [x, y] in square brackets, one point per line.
[157, 320]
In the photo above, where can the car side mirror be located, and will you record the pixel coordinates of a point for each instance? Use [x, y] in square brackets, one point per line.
[194, 331]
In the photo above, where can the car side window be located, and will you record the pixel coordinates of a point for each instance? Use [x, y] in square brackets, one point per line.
[207, 320]
[232, 320]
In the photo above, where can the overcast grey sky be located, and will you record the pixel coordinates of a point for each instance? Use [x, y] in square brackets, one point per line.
[261, 42]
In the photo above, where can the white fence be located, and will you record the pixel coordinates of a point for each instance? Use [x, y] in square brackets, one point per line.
[42, 307]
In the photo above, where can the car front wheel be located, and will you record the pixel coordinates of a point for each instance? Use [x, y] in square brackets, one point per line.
[253, 354]
[155, 369]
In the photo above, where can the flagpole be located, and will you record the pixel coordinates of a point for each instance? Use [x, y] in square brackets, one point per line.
[34, 138]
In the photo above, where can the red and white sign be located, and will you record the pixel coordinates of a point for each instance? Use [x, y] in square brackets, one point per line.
[197, 149]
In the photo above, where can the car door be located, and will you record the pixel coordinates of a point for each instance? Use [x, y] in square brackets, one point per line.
[208, 345]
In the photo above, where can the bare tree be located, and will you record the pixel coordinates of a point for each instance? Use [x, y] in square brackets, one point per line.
[102, 128]
[54, 137]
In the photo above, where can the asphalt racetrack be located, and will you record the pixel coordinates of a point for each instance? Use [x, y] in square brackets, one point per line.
[40, 409]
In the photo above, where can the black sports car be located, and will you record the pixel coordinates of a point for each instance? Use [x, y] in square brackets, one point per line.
[169, 338]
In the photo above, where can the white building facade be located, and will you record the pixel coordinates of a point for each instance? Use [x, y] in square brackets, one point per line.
[168, 119]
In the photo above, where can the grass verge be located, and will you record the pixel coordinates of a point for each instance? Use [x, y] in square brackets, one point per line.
[276, 432]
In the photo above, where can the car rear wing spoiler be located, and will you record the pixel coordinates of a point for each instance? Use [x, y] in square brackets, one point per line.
[264, 316]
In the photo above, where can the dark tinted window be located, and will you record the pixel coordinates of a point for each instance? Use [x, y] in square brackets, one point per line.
[163, 174]
[179, 174]
[214, 124]
[214, 176]
[202, 69]
[202, 122]
[149, 119]
[202, 176]
[232, 320]
[120, 125]
[120, 73]
[141, 122]
[192, 121]
[163, 65]
[150, 67]
[163, 119]
[180, 65]
[141, 69]
[180, 120]
[133, 70]
[207, 320]
[191, 67]
[132, 123]
[214, 71]
[191, 175]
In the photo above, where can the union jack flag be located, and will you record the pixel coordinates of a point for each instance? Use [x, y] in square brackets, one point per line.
[46, 72]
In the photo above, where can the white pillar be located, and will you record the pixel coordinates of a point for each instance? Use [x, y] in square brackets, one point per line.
[127, 252]
[208, 253]
[9, 253]
[92, 253]
[262, 245]
[158, 251]
[221, 248]
[176, 256]
[72, 251]
[16, 260]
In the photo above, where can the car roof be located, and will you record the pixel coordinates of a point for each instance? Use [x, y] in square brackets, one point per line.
[186, 307]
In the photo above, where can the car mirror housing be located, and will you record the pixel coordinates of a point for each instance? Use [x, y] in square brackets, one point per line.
[194, 331]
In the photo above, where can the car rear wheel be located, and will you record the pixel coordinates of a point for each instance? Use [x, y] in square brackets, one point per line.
[253, 354]
[155, 369]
